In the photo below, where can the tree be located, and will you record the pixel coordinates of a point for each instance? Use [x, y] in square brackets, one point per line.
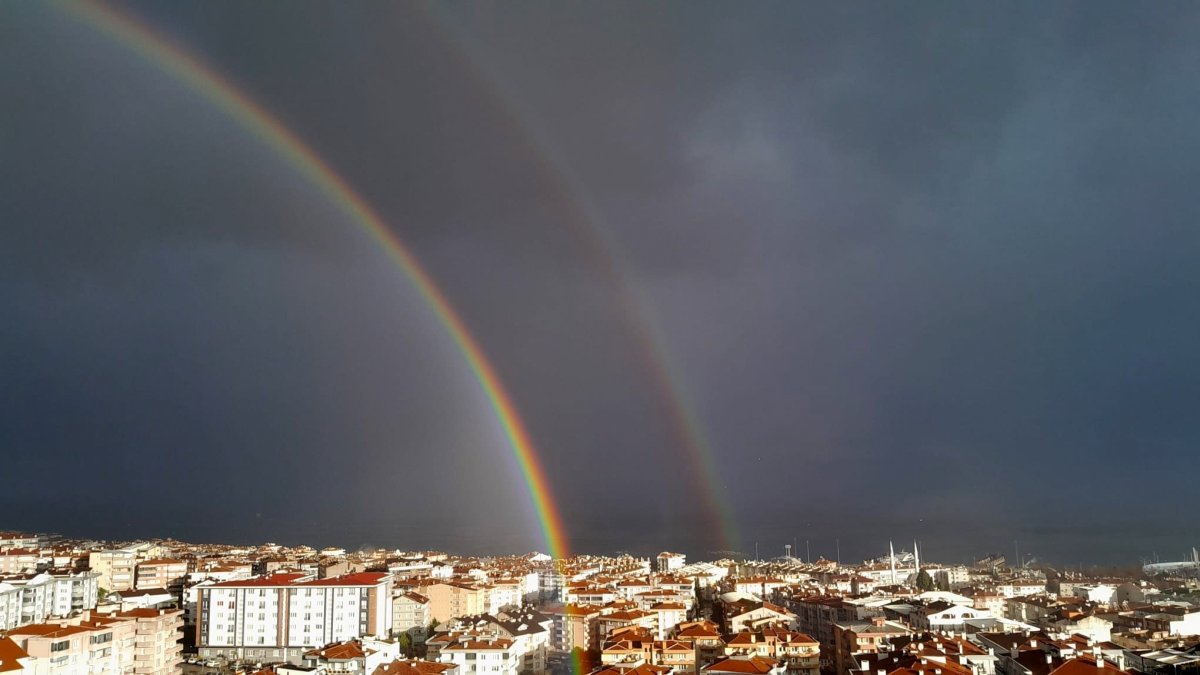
[405, 643]
[924, 581]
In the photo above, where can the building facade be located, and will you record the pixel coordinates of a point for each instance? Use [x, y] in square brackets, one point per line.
[282, 616]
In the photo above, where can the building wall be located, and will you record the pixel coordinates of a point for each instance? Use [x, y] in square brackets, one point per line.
[45, 596]
[116, 568]
[282, 622]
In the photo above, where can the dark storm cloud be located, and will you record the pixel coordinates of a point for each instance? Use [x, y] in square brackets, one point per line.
[916, 262]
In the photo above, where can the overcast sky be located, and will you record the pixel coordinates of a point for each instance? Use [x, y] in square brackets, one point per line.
[924, 269]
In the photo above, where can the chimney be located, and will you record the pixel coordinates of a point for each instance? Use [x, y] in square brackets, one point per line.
[862, 665]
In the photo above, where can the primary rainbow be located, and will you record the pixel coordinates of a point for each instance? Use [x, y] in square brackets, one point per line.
[255, 119]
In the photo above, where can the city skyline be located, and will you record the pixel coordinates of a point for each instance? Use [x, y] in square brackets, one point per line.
[593, 277]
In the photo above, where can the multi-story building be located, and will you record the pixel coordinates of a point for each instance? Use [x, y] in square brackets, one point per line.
[282, 616]
[853, 639]
[141, 642]
[574, 627]
[35, 598]
[410, 614]
[156, 648]
[61, 649]
[669, 562]
[11, 540]
[115, 568]
[448, 600]
[22, 560]
[166, 573]
[482, 652]
[801, 653]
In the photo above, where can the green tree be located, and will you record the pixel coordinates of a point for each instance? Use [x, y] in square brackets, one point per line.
[406, 644]
[924, 581]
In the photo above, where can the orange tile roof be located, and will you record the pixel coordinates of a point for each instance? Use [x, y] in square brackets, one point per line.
[358, 579]
[754, 665]
[338, 652]
[412, 667]
[10, 655]
[50, 630]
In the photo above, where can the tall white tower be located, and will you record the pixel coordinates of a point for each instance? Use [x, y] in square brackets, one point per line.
[892, 557]
[916, 562]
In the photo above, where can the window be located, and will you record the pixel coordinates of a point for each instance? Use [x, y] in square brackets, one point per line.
[61, 646]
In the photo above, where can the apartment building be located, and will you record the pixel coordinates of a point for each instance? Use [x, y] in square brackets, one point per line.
[448, 600]
[160, 573]
[574, 627]
[669, 562]
[482, 652]
[141, 642]
[11, 540]
[34, 598]
[116, 568]
[282, 616]
[410, 614]
[156, 647]
[21, 560]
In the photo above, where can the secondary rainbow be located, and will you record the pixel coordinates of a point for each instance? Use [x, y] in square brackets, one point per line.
[588, 224]
[224, 95]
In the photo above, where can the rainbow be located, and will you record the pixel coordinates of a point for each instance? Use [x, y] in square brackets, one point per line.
[588, 225]
[225, 96]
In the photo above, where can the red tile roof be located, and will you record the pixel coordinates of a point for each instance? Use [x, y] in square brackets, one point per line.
[338, 652]
[281, 579]
[358, 579]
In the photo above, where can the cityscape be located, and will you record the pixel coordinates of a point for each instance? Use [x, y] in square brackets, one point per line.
[605, 337]
[163, 607]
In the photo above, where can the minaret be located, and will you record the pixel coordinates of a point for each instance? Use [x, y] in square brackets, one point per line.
[916, 562]
[892, 556]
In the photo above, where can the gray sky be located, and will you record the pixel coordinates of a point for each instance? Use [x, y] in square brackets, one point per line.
[926, 269]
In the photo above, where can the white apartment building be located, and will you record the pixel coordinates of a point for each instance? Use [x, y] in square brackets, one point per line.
[21, 560]
[478, 652]
[10, 540]
[35, 598]
[282, 616]
[669, 562]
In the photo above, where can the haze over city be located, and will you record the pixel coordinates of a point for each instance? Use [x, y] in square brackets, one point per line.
[746, 274]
